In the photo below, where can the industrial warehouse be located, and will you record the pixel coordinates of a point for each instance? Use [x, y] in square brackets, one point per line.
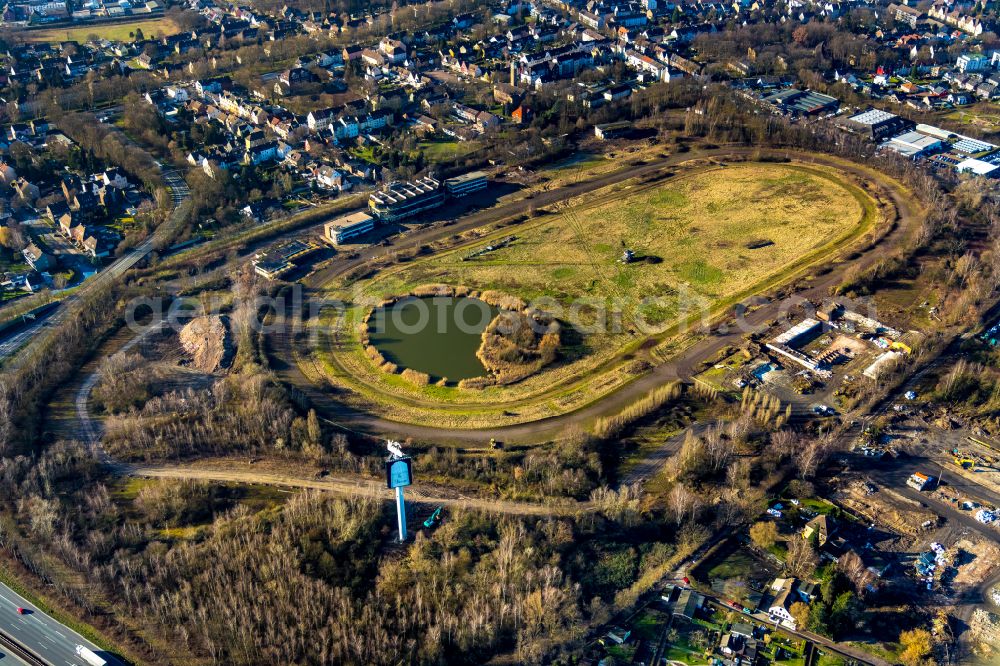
[399, 201]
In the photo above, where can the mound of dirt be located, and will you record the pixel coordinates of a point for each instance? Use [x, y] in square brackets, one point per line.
[209, 343]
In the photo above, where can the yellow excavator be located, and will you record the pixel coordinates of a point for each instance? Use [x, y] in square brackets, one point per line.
[965, 462]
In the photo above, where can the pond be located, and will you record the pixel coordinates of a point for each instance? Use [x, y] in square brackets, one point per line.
[438, 335]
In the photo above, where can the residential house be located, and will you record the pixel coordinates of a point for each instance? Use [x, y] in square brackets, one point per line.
[785, 593]
[94, 247]
[972, 62]
[818, 528]
[114, 178]
[907, 15]
[37, 258]
[329, 178]
[25, 190]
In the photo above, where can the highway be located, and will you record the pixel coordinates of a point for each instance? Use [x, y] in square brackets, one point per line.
[53, 642]
[50, 641]
[179, 193]
[11, 659]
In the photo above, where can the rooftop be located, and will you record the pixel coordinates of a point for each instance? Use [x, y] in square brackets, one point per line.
[400, 192]
[872, 117]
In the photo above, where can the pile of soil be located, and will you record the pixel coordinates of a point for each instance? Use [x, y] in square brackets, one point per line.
[209, 343]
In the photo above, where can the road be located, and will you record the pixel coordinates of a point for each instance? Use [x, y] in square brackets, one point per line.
[47, 638]
[52, 641]
[281, 345]
[179, 192]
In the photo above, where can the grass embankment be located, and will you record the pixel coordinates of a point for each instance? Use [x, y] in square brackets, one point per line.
[701, 239]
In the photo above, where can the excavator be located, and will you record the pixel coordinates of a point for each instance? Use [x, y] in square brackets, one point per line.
[970, 461]
[964, 461]
[434, 519]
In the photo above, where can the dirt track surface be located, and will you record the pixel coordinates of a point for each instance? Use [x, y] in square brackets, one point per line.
[352, 487]
[283, 358]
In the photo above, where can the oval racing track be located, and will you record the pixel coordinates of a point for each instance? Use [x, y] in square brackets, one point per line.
[280, 346]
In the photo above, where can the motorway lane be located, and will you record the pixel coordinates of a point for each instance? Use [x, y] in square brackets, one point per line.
[49, 639]
[179, 196]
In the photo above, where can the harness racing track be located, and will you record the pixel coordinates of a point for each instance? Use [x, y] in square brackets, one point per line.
[302, 371]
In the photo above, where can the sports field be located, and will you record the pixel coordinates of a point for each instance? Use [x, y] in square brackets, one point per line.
[120, 32]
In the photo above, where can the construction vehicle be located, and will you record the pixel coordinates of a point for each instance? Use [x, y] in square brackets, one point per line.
[971, 461]
[433, 519]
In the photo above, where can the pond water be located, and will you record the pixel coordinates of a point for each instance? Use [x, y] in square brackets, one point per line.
[438, 335]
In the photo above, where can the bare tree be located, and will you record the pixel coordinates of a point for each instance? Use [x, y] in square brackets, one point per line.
[801, 559]
[683, 504]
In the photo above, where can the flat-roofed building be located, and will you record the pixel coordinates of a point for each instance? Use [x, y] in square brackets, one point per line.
[796, 102]
[280, 259]
[466, 184]
[347, 227]
[879, 125]
[609, 131]
[978, 168]
[401, 200]
[914, 144]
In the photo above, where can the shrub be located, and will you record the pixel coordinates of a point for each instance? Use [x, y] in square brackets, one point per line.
[475, 383]
[432, 290]
[608, 427]
[416, 377]
[512, 347]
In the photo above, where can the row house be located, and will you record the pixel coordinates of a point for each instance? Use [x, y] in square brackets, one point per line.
[594, 20]
[320, 119]
[462, 66]
[393, 50]
[972, 62]
[350, 127]
[910, 16]
[960, 20]
[660, 71]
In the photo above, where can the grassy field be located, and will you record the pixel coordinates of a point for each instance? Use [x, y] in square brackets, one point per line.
[114, 31]
[444, 151]
[705, 237]
[981, 116]
[698, 239]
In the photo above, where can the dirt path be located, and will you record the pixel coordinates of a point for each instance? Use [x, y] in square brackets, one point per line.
[281, 345]
[354, 487]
